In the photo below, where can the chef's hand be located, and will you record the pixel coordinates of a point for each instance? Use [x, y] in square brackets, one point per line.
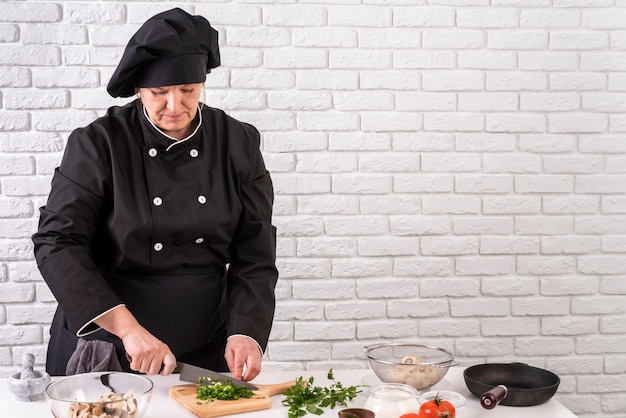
[147, 354]
[243, 351]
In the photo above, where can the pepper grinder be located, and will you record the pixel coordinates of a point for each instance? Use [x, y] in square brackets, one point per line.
[28, 385]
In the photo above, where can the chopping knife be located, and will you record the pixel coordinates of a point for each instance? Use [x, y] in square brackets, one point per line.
[191, 373]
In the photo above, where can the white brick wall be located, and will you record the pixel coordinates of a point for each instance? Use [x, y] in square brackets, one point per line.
[451, 172]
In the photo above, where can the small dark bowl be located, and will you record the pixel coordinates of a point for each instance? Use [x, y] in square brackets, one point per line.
[359, 412]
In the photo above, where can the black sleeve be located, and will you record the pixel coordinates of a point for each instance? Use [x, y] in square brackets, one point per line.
[67, 225]
[252, 273]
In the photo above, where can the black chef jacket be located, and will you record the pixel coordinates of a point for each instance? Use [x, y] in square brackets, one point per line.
[176, 230]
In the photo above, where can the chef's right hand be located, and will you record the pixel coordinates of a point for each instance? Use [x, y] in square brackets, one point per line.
[147, 353]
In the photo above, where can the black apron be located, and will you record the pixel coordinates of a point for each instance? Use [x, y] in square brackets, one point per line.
[185, 308]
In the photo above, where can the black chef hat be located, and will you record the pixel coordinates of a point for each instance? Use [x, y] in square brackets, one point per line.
[170, 48]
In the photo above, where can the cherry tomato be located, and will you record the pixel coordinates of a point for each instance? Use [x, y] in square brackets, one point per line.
[437, 408]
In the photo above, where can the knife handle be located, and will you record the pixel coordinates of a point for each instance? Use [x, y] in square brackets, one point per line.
[275, 389]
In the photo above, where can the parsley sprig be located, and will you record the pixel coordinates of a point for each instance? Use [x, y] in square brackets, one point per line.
[303, 397]
[211, 389]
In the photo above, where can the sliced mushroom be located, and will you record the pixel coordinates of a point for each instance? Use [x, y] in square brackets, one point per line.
[110, 405]
[132, 406]
[98, 410]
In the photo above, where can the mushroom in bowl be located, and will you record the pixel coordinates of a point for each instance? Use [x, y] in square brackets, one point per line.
[100, 395]
[417, 365]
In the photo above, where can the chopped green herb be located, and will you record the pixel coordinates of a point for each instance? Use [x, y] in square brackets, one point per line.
[221, 389]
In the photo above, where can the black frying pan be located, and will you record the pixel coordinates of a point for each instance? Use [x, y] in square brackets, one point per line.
[513, 384]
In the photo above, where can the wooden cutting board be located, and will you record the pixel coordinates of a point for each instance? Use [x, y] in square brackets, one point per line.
[186, 396]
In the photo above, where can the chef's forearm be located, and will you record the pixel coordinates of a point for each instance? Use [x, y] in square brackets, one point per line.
[252, 277]
[77, 284]
[118, 321]
[92, 326]
[145, 352]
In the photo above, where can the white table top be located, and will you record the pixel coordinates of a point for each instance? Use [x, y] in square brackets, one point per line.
[162, 406]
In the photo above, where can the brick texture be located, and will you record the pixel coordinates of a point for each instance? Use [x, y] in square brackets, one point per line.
[449, 172]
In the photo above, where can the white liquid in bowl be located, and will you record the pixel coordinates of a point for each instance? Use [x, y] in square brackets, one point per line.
[390, 400]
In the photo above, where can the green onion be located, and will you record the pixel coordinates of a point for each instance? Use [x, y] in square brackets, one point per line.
[211, 389]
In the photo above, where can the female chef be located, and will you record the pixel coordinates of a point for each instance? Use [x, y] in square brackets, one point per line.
[157, 233]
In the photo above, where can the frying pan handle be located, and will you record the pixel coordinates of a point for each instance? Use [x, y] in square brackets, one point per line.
[492, 397]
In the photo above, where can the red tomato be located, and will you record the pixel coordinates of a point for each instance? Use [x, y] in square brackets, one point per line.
[437, 408]
[411, 415]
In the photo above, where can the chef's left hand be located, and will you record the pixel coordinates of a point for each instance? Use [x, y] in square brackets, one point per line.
[240, 351]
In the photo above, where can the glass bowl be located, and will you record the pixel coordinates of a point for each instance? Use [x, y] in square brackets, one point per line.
[416, 365]
[100, 395]
[391, 400]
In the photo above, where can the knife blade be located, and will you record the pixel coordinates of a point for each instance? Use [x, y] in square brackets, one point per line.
[191, 373]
